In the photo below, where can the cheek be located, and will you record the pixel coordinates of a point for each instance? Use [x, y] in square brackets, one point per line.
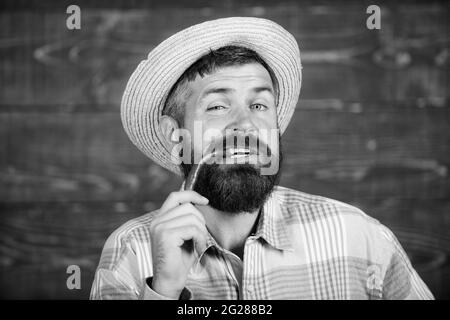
[271, 139]
[266, 120]
[213, 130]
[273, 118]
[268, 130]
[204, 132]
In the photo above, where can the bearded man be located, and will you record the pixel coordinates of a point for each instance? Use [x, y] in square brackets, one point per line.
[231, 232]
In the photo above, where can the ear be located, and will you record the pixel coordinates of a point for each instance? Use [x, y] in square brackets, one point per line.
[168, 125]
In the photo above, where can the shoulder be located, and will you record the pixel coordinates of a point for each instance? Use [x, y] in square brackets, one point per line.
[306, 203]
[136, 228]
[125, 240]
[331, 229]
[357, 225]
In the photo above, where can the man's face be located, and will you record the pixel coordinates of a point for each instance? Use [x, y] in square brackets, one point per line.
[238, 99]
[232, 98]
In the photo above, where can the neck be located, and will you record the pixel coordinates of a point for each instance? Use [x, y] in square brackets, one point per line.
[230, 230]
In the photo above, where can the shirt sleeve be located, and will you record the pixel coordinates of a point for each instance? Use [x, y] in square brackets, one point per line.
[118, 277]
[401, 281]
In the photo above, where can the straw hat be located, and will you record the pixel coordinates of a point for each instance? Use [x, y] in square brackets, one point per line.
[149, 85]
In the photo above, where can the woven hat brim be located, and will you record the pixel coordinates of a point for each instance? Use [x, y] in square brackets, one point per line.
[149, 85]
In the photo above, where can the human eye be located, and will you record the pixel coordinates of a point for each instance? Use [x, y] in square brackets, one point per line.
[258, 107]
[215, 107]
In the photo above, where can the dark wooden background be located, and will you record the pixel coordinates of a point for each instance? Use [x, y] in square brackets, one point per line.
[371, 127]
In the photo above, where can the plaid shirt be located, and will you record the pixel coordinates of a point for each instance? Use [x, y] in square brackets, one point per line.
[305, 247]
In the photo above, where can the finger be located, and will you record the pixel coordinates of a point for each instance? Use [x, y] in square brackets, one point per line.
[181, 221]
[186, 208]
[179, 197]
[189, 232]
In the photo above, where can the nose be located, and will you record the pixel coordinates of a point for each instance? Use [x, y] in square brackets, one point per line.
[242, 121]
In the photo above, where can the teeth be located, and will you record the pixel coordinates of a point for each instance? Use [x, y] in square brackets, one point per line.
[234, 151]
[237, 156]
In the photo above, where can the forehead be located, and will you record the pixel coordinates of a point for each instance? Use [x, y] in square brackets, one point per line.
[246, 74]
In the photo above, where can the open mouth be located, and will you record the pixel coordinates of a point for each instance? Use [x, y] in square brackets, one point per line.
[239, 152]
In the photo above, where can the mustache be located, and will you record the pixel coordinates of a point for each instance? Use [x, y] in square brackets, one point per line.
[218, 148]
[238, 140]
[240, 188]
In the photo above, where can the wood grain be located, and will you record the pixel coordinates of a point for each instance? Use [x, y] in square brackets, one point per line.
[371, 127]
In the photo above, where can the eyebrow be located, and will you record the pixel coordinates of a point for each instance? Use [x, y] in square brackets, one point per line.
[216, 90]
[263, 88]
[220, 90]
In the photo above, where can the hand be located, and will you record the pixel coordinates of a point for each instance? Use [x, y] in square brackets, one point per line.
[178, 237]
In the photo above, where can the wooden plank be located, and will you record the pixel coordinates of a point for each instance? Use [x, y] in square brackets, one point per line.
[74, 156]
[38, 241]
[369, 154]
[85, 156]
[371, 128]
[46, 64]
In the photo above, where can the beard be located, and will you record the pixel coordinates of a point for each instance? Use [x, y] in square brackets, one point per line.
[235, 188]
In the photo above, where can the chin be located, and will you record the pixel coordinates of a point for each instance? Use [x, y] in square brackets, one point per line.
[235, 188]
